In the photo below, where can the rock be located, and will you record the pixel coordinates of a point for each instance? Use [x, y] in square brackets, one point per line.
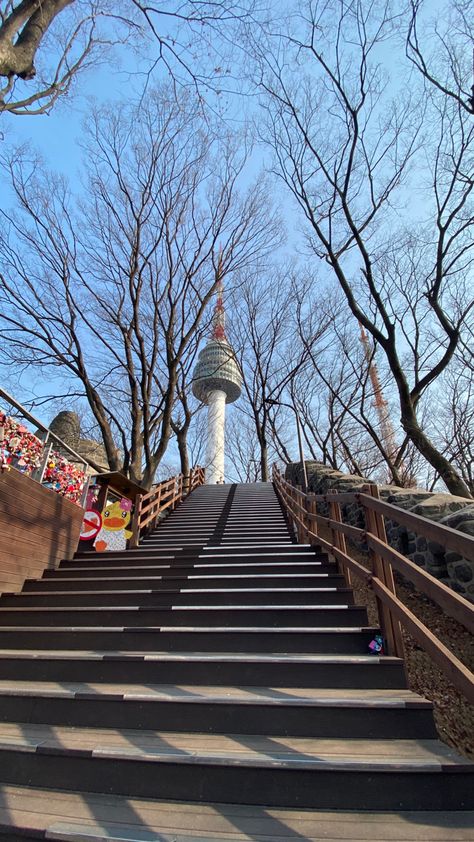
[464, 572]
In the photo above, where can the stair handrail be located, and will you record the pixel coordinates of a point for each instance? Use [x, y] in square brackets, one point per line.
[301, 510]
[163, 496]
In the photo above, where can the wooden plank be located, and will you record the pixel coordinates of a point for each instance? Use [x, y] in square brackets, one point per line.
[456, 671]
[451, 602]
[344, 528]
[444, 535]
[339, 497]
[12, 566]
[28, 551]
[35, 533]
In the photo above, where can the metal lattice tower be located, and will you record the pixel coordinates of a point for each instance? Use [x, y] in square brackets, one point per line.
[381, 405]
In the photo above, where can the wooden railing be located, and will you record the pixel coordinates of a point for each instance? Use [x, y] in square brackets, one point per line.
[162, 497]
[302, 510]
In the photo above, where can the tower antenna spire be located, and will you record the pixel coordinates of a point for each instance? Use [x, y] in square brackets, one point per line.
[218, 319]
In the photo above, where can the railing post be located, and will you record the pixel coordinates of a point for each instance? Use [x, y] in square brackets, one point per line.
[39, 473]
[191, 481]
[311, 508]
[333, 507]
[85, 489]
[300, 532]
[389, 625]
[135, 538]
[156, 507]
[388, 579]
[338, 538]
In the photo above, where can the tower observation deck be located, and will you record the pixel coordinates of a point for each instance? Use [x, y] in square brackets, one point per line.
[217, 380]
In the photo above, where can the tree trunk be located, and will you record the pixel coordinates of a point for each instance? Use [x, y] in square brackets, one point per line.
[453, 481]
[21, 34]
[264, 461]
[183, 455]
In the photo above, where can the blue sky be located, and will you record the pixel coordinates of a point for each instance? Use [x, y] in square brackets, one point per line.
[57, 137]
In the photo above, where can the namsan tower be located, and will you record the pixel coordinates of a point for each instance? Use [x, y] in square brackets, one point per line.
[216, 381]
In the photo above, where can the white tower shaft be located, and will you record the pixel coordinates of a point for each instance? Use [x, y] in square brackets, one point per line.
[215, 436]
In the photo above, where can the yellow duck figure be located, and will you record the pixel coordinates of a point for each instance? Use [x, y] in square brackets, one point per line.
[113, 535]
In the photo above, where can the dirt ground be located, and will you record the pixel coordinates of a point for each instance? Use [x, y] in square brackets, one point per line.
[454, 716]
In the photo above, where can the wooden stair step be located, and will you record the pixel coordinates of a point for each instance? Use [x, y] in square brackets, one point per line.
[173, 581]
[225, 694]
[89, 817]
[271, 711]
[279, 771]
[193, 569]
[216, 668]
[199, 596]
[265, 617]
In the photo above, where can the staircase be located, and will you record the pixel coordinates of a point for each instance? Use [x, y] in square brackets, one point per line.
[222, 665]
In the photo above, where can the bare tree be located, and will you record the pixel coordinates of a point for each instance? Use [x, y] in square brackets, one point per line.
[263, 331]
[45, 44]
[110, 296]
[442, 52]
[242, 448]
[340, 397]
[346, 147]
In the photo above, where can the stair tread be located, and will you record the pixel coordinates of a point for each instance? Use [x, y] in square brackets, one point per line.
[278, 631]
[72, 609]
[182, 591]
[221, 657]
[119, 817]
[223, 694]
[202, 576]
[235, 749]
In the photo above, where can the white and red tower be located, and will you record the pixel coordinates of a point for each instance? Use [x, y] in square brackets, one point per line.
[217, 380]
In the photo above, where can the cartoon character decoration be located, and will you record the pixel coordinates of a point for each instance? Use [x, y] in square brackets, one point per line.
[113, 534]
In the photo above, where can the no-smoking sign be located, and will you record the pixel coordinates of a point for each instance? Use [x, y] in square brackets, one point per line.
[91, 525]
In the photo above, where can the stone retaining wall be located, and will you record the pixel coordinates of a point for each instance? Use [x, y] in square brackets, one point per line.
[456, 512]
